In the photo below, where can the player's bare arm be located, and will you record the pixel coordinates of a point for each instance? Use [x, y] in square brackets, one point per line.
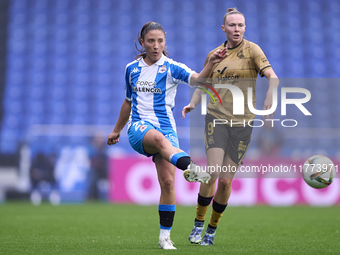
[195, 100]
[216, 57]
[273, 83]
[121, 122]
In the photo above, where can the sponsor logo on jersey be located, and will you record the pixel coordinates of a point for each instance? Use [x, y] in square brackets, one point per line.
[147, 86]
[135, 70]
[221, 72]
[162, 69]
[146, 89]
[146, 83]
[231, 79]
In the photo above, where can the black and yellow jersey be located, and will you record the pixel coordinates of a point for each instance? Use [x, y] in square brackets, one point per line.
[240, 68]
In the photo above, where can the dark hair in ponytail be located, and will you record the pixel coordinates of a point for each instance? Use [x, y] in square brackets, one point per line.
[151, 25]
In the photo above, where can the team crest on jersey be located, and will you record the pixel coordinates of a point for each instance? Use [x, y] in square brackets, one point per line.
[142, 128]
[240, 54]
[162, 69]
[211, 140]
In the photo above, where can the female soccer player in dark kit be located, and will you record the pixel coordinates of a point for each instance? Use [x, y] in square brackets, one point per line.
[226, 145]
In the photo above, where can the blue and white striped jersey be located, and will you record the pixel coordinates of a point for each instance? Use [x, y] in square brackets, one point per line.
[152, 90]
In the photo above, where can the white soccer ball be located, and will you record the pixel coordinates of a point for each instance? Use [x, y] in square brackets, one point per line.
[318, 171]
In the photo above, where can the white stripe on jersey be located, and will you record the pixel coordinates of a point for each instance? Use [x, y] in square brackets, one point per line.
[143, 101]
[152, 90]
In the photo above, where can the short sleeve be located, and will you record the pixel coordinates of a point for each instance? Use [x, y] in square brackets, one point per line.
[180, 73]
[260, 60]
[128, 89]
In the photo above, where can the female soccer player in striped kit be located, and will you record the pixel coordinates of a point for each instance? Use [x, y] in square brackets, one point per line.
[226, 145]
[150, 88]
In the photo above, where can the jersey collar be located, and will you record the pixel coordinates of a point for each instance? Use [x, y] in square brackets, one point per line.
[160, 62]
[225, 44]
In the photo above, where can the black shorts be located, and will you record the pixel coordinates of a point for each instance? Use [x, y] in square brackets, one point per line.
[233, 140]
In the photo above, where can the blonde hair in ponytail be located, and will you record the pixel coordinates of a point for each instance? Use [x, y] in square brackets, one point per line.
[229, 12]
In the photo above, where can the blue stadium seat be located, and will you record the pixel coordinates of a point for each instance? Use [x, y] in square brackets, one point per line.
[33, 120]
[69, 56]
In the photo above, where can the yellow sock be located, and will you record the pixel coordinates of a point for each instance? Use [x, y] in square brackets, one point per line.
[201, 211]
[215, 218]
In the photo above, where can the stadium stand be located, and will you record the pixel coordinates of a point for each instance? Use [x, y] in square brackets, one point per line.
[66, 58]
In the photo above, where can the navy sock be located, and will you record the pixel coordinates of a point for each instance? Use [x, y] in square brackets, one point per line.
[199, 223]
[181, 160]
[204, 201]
[219, 208]
[166, 215]
[210, 229]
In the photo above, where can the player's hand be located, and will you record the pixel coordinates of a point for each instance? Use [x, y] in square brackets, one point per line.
[113, 138]
[186, 109]
[268, 102]
[219, 55]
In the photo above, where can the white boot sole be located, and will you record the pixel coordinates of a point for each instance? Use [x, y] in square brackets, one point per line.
[193, 177]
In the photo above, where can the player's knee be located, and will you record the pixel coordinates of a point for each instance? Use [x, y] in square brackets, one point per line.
[224, 183]
[212, 181]
[167, 183]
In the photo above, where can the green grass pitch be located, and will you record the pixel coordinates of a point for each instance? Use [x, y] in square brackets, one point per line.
[97, 228]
